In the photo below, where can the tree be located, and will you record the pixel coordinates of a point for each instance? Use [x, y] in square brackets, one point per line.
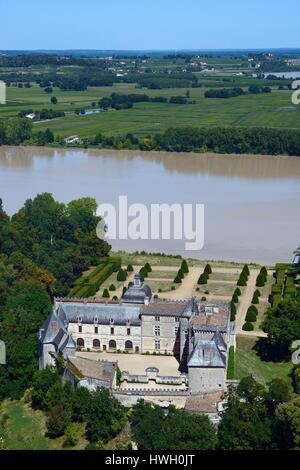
[176, 430]
[57, 421]
[129, 268]
[246, 424]
[247, 326]
[105, 294]
[184, 267]
[279, 393]
[282, 324]
[177, 279]
[148, 268]
[121, 276]
[232, 311]
[53, 100]
[260, 281]
[203, 279]
[288, 424]
[208, 269]
[72, 433]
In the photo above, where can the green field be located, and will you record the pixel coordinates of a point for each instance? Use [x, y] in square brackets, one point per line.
[264, 110]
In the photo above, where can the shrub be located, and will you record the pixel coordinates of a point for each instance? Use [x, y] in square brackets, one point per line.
[235, 298]
[246, 269]
[248, 326]
[121, 276]
[260, 281]
[255, 299]
[105, 294]
[232, 311]
[143, 272]
[177, 280]
[112, 287]
[238, 291]
[115, 297]
[257, 293]
[230, 366]
[148, 268]
[203, 299]
[180, 273]
[129, 268]
[250, 316]
[72, 434]
[203, 279]
[242, 280]
[208, 269]
[264, 272]
[184, 267]
[57, 421]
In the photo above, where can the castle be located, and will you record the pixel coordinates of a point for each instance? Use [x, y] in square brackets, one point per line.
[197, 333]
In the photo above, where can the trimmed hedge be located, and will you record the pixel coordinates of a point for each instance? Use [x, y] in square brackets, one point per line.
[105, 294]
[248, 326]
[184, 267]
[129, 268]
[230, 365]
[203, 279]
[88, 285]
[232, 311]
[208, 269]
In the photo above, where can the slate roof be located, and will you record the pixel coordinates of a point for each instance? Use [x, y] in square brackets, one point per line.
[164, 309]
[207, 354]
[103, 313]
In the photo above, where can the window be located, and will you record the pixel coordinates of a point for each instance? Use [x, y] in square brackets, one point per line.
[157, 344]
[157, 318]
[112, 331]
[177, 319]
[79, 329]
[96, 344]
[157, 330]
[80, 343]
[128, 331]
[112, 344]
[96, 330]
[128, 345]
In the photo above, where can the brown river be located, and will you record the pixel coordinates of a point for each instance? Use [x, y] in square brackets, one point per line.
[251, 202]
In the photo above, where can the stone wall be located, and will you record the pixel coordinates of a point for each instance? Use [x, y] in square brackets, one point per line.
[167, 333]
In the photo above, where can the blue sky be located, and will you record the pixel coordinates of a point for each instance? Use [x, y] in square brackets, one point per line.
[149, 24]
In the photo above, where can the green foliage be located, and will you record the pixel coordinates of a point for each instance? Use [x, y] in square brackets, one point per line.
[230, 366]
[184, 267]
[203, 279]
[112, 287]
[260, 281]
[248, 326]
[282, 323]
[148, 268]
[177, 279]
[238, 291]
[242, 281]
[143, 272]
[208, 269]
[246, 270]
[57, 421]
[177, 430]
[180, 274]
[251, 314]
[122, 275]
[232, 311]
[72, 433]
[235, 298]
[129, 268]
[288, 424]
[106, 294]
[88, 285]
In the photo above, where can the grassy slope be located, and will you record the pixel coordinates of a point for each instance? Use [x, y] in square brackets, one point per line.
[248, 362]
[149, 118]
[25, 429]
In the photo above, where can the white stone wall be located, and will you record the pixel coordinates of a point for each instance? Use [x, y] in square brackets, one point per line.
[206, 379]
[166, 336]
[104, 335]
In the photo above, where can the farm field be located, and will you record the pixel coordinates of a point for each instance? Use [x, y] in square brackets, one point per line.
[273, 110]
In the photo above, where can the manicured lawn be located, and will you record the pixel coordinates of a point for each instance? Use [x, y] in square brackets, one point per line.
[247, 362]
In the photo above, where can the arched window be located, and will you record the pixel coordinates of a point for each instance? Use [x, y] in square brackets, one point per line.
[128, 344]
[96, 344]
[80, 342]
[112, 344]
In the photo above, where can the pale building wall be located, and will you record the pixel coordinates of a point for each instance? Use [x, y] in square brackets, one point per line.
[206, 379]
[167, 333]
[104, 335]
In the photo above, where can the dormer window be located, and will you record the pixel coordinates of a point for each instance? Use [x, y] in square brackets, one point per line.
[95, 320]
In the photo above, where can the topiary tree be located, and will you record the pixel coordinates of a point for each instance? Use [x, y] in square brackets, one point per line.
[255, 300]
[257, 293]
[246, 269]
[143, 272]
[260, 281]
[208, 269]
[242, 280]
[250, 316]
[112, 287]
[264, 272]
[248, 326]
[124, 290]
[180, 273]
[122, 275]
[235, 298]
[203, 279]
[105, 294]
[232, 311]
[177, 280]
[115, 297]
[129, 268]
[184, 267]
[148, 268]
[238, 291]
